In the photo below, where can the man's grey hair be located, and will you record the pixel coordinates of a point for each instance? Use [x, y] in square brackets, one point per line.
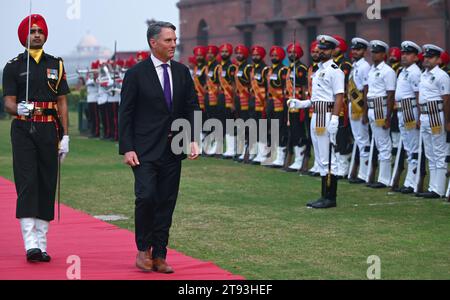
[155, 27]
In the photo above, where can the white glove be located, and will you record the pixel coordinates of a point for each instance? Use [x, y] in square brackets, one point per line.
[63, 148]
[333, 128]
[298, 104]
[22, 109]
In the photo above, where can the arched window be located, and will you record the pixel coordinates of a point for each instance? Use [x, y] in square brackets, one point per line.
[202, 33]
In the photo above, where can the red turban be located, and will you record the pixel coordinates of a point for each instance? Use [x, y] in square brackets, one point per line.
[342, 43]
[241, 49]
[142, 55]
[131, 61]
[95, 65]
[420, 56]
[298, 50]
[213, 49]
[24, 31]
[314, 45]
[396, 52]
[259, 50]
[120, 62]
[200, 50]
[445, 58]
[279, 51]
[192, 60]
[228, 46]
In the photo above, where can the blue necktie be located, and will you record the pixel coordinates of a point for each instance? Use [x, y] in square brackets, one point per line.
[167, 90]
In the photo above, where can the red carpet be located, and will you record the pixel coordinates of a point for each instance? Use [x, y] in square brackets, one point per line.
[106, 251]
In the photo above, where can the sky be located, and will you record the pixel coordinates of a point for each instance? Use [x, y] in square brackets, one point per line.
[70, 20]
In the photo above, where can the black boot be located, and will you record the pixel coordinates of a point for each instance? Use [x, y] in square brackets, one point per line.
[323, 195]
[330, 199]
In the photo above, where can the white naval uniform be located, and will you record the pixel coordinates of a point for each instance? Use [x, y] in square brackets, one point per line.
[405, 97]
[433, 85]
[327, 82]
[359, 74]
[381, 79]
[91, 90]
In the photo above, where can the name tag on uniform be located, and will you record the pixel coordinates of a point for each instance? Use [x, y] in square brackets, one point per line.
[224, 73]
[258, 76]
[52, 74]
[273, 77]
[240, 73]
[210, 74]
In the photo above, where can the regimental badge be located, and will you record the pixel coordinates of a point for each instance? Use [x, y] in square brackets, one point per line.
[52, 74]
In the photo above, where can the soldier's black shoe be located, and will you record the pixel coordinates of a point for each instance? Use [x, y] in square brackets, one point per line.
[326, 203]
[429, 195]
[45, 257]
[356, 181]
[311, 203]
[377, 185]
[34, 255]
[406, 190]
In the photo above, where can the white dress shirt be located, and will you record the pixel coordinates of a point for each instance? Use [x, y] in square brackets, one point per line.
[408, 83]
[360, 73]
[381, 79]
[160, 71]
[327, 82]
[433, 85]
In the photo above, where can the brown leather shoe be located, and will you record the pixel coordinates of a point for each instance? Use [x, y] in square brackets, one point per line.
[144, 261]
[160, 265]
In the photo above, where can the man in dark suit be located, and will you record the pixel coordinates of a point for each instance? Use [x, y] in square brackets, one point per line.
[155, 92]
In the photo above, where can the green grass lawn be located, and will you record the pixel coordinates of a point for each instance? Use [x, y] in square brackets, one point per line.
[253, 221]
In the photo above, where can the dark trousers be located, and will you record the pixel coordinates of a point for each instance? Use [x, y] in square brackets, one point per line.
[35, 165]
[283, 132]
[104, 117]
[94, 119]
[298, 130]
[113, 118]
[156, 189]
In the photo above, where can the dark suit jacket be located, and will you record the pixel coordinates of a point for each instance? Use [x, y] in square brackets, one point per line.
[144, 118]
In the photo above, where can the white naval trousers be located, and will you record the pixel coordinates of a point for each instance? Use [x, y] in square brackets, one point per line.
[435, 150]
[383, 143]
[321, 144]
[410, 141]
[362, 140]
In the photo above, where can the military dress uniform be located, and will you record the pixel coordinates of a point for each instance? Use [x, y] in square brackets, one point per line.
[298, 118]
[211, 97]
[381, 80]
[434, 85]
[199, 75]
[35, 138]
[327, 83]
[227, 71]
[355, 94]
[276, 107]
[344, 136]
[92, 94]
[258, 100]
[105, 83]
[314, 171]
[407, 114]
[242, 95]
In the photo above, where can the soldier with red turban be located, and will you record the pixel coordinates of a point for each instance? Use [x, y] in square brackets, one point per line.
[298, 118]
[39, 132]
[276, 109]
